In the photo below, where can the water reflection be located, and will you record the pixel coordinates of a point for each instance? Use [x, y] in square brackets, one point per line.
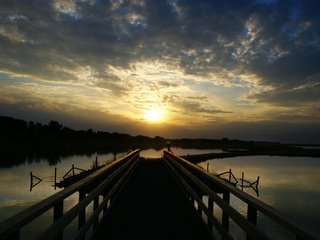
[290, 184]
[53, 155]
[153, 153]
[18, 196]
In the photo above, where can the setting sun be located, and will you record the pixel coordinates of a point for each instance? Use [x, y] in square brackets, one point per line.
[152, 115]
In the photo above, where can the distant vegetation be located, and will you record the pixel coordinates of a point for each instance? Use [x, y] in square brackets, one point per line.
[19, 138]
[22, 132]
[22, 141]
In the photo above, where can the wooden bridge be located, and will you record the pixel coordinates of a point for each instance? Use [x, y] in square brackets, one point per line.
[138, 198]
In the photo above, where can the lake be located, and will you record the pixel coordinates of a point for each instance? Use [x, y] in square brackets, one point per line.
[290, 184]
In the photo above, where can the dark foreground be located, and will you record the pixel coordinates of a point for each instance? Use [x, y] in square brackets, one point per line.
[152, 206]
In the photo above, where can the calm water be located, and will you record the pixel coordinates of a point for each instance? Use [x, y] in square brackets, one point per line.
[291, 184]
[15, 194]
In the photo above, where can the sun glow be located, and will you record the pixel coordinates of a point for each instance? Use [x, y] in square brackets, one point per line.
[152, 115]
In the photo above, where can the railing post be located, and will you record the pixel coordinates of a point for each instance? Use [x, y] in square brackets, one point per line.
[57, 214]
[192, 201]
[199, 208]
[105, 209]
[73, 169]
[251, 216]
[210, 207]
[14, 236]
[82, 214]
[95, 206]
[225, 217]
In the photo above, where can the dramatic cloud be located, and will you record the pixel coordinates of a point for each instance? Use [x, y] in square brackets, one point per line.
[196, 61]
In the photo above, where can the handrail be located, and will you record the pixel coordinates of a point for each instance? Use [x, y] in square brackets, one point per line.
[193, 194]
[253, 203]
[54, 230]
[116, 189]
[248, 227]
[12, 225]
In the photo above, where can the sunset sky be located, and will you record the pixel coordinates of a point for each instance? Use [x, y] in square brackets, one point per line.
[216, 68]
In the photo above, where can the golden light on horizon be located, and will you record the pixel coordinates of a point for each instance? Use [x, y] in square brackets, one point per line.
[152, 115]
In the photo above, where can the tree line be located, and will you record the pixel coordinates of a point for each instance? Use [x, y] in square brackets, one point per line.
[20, 131]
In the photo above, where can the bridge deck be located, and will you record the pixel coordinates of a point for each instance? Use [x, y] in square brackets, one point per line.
[152, 206]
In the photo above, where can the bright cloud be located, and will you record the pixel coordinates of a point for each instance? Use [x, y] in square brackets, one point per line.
[200, 62]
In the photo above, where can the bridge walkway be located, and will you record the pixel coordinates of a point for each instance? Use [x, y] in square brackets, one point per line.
[152, 206]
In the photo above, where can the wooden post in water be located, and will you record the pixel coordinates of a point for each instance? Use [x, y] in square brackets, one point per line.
[32, 185]
[31, 181]
[242, 181]
[55, 178]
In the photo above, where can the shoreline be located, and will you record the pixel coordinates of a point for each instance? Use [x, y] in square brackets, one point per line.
[294, 152]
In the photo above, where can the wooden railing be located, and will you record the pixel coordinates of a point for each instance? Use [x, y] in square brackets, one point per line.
[107, 181]
[198, 183]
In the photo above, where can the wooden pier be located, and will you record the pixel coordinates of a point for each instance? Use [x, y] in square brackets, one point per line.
[158, 212]
[137, 198]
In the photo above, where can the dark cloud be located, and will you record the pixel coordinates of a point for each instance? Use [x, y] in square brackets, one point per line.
[168, 84]
[278, 42]
[194, 105]
[260, 131]
[40, 40]
[286, 50]
[291, 97]
[77, 118]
